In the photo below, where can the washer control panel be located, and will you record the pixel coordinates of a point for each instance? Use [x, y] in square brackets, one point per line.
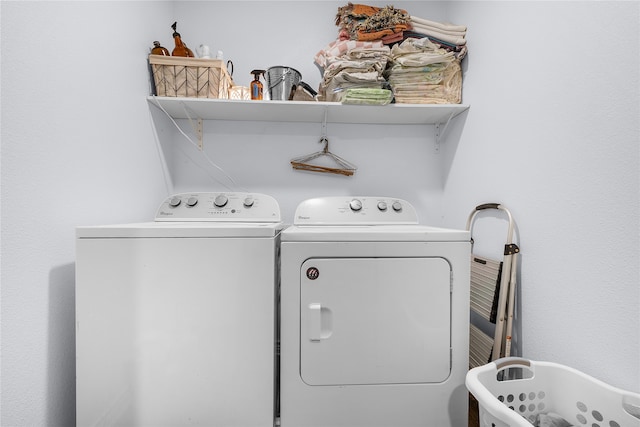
[355, 210]
[237, 207]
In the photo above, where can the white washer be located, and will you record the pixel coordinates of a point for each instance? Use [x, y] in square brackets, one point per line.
[175, 319]
[374, 317]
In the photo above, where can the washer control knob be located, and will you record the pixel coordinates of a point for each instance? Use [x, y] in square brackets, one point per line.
[382, 206]
[355, 205]
[174, 202]
[248, 202]
[397, 206]
[221, 201]
[192, 201]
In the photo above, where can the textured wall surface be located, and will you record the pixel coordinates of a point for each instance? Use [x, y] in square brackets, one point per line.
[552, 133]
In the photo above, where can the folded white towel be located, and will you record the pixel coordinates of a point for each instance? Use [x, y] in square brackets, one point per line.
[440, 25]
[439, 30]
[456, 40]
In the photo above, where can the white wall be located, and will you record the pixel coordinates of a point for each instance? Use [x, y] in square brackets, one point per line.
[552, 132]
[77, 149]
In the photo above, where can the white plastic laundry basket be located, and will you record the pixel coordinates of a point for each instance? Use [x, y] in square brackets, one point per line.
[511, 392]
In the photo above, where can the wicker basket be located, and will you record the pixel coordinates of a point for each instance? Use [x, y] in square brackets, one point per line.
[240, 92]
[190, 77]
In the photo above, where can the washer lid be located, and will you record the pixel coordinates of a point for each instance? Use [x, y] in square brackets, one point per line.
[181, 230]
[202, 215]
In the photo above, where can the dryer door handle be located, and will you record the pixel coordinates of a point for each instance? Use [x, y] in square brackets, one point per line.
[318, 322]
[315, 321]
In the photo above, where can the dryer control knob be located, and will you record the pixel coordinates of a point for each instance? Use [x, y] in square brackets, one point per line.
[397, 206]
[355, 205]
[221, 201]
[248, 202]
[382, 206]
[174, 202]
[192, 201]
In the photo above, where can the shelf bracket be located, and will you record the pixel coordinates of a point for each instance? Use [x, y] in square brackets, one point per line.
[441, 132]
[196, 126]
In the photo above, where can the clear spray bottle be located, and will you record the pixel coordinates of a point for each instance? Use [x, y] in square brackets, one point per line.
[256, 85]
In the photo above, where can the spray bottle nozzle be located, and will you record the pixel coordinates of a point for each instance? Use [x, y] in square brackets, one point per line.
[256, 74]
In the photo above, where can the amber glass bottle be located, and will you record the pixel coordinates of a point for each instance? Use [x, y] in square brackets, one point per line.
[159, 50]
[180, 49]
[256, 85]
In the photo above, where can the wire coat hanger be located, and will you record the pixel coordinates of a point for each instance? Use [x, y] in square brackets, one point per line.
[302, 163]
[344, 167]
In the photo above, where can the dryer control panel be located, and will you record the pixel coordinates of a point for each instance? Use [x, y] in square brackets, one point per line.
[236, 207]
[347, 210]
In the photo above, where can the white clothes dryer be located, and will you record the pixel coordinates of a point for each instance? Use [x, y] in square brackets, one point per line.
[176, 318]
[374, 317]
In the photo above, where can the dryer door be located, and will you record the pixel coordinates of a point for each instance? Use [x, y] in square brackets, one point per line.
[375, 320]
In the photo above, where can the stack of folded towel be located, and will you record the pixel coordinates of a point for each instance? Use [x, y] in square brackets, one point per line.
[384, 47]
[365, 23]
[447, 36]
[351, 64]
[421, 72]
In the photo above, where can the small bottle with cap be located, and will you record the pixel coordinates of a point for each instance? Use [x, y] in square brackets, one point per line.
[256, 85]
[159, 50]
